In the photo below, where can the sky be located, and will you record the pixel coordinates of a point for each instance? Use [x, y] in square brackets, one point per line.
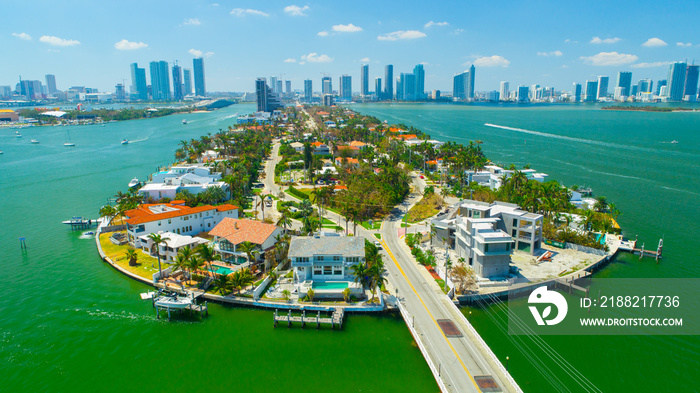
[550, 43]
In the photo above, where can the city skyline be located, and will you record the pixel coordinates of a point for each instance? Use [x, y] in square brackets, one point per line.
[590, 41]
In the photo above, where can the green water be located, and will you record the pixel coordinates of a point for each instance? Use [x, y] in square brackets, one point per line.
[69, 322]
[330, 285]
[621, 155]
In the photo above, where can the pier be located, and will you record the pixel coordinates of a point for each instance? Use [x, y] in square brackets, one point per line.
[336, 319]
[80, 223]
[631, 246]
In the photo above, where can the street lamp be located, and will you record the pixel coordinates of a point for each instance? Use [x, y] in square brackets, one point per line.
[507, 358]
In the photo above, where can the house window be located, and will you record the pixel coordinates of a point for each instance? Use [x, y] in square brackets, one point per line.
[513, 233]
[158, 223]
[337, 270]
[209, 225]
[336, 257]
[515, 222]
[486, 248]
[327, 270]
[319, 258]
[318, 271]
[353, 259]
[470, 261]
[170, 221]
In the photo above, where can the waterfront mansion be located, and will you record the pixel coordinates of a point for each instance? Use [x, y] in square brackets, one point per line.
[486, 234]
[324, 264]
[174, 217]
[194, 178]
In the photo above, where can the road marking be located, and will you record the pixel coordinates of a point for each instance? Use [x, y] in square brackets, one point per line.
[388, 250]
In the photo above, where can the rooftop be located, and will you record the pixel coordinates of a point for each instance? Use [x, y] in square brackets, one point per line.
[349, 246]
[161, 211]
[238, 231]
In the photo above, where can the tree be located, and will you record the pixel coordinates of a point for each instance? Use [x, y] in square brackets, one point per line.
[157, 240]
[248, 248]
[376, 276]
[360, 274]
[310, 294]
[222, 284]
[108, 212]
[346, 294]
[601, 204]
[284, 220]
[286, 294]
[207, 253]
[464, 277]
[195, 264]
[240, 279]
[132, 256]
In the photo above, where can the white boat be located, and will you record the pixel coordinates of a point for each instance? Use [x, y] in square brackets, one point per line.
[674, 141]
[184, 121]
[34, 141]
[173, 301]
[134, 182]
[17, 134]
[125, 141]
[68, 141]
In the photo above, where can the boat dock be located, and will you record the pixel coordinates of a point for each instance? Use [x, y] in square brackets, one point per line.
[80, 223]
[336, 319]
[201, 309]
[631, 246]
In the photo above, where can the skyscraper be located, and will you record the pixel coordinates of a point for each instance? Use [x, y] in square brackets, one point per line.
[326, 85]
[378, 88]
[273, 84]
[602, 87]
[459, 85]
[155, 81]
[198, 68]
[288, 88]
[51, 83]
[388, 82]
[406, 87]
[470, 82]
[364, 79]
[645, 86]
[160, 80]
[119, 92]
[691, 83]
[419, 74]
[308, 90]
[523, 93]
[267, 100]
[504, 91]
[624, 80]
[187, 82]
[346, 87]
[576, 92]
[177, 83]
[591, 91]
[661, 83]
[139, 88]
[676, 80]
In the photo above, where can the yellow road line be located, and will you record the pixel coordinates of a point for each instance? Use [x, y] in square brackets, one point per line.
[429, 313]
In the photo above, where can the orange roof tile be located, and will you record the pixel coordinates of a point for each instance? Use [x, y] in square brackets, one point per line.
[349, 159]
[340, 187]
[357, 143]
[143, 214]
[238, 231]
[406, 136]
[348, 148]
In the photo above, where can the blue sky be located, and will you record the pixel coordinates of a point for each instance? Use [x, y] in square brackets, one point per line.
[550, 43]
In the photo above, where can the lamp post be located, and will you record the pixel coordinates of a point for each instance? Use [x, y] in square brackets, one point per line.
[507, 358]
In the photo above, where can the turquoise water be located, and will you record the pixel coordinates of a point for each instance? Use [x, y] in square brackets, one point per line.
[224, 270]
[330, 285]
[627, 157]
[69, 322]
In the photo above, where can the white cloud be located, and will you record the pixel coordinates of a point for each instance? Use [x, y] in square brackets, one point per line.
[23, 36]
[349, 28]
[295, 10]
[457, 31]
[322, 33]
[247, 11]
[55, 41]
[567, 40]
[555, 53]
[128, 45]
[598, 40]
[491, 61]
[652, 42]
[365, 59]
[199, 53]
[290, 60]
[314, 57]
[192, 21]
[684, 44]
[431, 24]
[401, 35]
[651, 65]
[609, 59]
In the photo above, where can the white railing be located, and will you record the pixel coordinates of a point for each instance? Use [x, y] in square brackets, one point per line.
[166, 273]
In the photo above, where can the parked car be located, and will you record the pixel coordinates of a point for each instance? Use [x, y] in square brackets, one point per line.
[378, 245]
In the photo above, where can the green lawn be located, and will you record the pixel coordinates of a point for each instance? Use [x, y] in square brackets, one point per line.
[442, 285]
[378, 236]
[376, 225]
[146, 264]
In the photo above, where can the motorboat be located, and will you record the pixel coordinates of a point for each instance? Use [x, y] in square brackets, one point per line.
[184, 121]
[34, 141]
[134, 182]
[17, 134]
[125, 141]
[674, 141]
[173, 301]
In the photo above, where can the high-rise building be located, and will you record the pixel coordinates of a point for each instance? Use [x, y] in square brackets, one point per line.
[288, 88]
[160, 80]
[267, 100]
[576, 92]
[388, 82]
[624, 80]
[691, 83]
[139, 88]
[328, 100]
[436, 94]
[406, 87]
[523, 93]
[198, 69]
[119, 92]
[378, 87]
[187, 82]
[661, 83]
[273, 84]
[51, 83]
[459, 85]
[676, 80]
[645, 86]
[602, 87]
[591, 91]
[346, 87]
[419, 74]
[364, 80]
[535, 92]
[470, 83]
[503, 91]
[326, 85]
[308, 90]
[279, 88]
[177, 83]
[635, 89]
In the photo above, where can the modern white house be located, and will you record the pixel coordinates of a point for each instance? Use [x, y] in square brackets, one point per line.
[324, 264]
[483, 246]
[194, 178]
[174, 217]
[173, 244]
[231, 232]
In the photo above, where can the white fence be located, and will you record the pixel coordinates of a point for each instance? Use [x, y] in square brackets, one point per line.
[589, 250]
[166, 273]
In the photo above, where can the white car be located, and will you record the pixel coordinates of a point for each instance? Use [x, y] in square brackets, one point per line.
[378, 245]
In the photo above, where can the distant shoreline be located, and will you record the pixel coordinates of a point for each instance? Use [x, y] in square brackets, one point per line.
[647, 108]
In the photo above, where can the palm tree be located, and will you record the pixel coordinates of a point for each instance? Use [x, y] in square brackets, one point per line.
[222, 283]
[108, 211]
[376, 275]
[132, 256]
[207, 253]
[360, 274]
[240, 279]
[310, 294]
[248, 248]
[448, 266]
[284, 220]
[157, 240]
[286, 294]
[601, 204]
[195, 264]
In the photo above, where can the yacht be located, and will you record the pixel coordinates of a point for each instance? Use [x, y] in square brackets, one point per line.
[34, 141]
[134, 182]
[173, 301]
[125, 141]
[184, 121]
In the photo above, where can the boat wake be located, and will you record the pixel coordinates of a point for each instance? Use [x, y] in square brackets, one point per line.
[87, 235]
[139, 140]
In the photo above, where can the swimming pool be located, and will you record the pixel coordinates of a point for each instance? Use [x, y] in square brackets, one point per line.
[330, 285]
[223, 270]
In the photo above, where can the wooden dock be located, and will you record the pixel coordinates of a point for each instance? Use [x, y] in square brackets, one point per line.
[80, 223]
[194, 308]
[336, 319]
[631, 246]
[569, 283]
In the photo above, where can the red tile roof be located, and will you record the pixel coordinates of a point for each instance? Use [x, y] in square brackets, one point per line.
[143, 214]
[238, 231]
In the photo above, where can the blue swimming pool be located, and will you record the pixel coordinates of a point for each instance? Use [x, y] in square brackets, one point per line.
[330, 285]
[223, 270]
